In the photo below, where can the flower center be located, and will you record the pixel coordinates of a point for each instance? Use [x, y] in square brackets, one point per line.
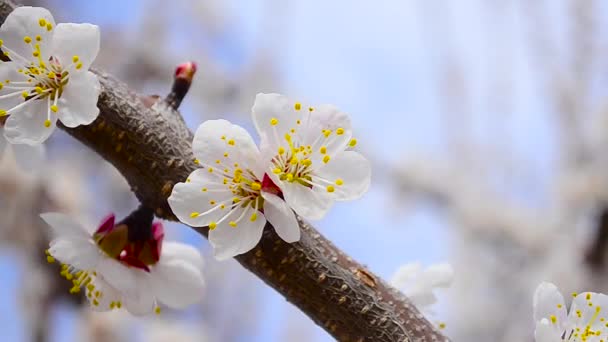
[42, 79]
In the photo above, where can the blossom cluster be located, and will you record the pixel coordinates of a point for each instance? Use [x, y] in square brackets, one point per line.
[302, 165]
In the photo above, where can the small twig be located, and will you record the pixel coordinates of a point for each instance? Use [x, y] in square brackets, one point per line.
[184, 73]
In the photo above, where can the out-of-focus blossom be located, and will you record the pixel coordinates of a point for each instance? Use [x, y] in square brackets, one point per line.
[113, 270]
[419, 284]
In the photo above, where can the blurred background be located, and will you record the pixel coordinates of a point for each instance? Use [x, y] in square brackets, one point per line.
[486, 122]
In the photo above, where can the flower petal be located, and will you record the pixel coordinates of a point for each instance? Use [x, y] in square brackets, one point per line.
[192, 205]
[64, 226]
[587, 305]
[177, 282]
[28, 126]
[328, 117]
[354, 172]
[141, 302]
[230, 241]
[216, 139]
[80, 40]
[439, 275]
[25, 21]
[8, 72]
[78, 104]
[310, 204]
[549, 301]
[119, 276]
[175, 250]
[107, 295]
[80, 253]
[282, 218]
[273, 116]
[546, 332]
[29, 158]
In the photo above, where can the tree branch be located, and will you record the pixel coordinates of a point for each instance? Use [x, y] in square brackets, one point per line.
[151, 146]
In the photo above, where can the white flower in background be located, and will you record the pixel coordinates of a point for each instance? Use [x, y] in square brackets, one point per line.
[114, 272]
[418, 284]
[304, 150]
[586, 320]
[231, 195]
[47, 77]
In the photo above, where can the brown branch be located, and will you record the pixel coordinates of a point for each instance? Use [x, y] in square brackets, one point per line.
[151, 147]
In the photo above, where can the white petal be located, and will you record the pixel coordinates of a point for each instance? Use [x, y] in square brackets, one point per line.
[268, 107]
[29, 158]
[121, 277]
[140, 302]
[27, 126]
[587, 304]
[78, 103]
[64, 226]
[545, 332]
[549, 301]
[175, 250]
[354, 171]
[8, 71]
[439, 275]
[22, 22]
[108, 294]
[177, 282]
[312, 205]
[230, 241]
[282, 218]
[187, 199]
[214, 138]
[405, 274]
[328, 117]
[80, 40]
[80, 253]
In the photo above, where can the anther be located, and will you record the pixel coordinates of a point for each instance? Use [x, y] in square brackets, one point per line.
[47, 123]
[330, 188]
[274, 121]
[298, 106]
[27, 39]
[326, 159]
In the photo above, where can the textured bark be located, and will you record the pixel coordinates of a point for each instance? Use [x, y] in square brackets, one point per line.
[149, 143]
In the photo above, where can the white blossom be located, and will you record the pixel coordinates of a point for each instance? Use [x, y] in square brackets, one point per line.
[304, 152]
[419, 284]
[47, 77]
[231, 194]
[109, 282]
[585, 321]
